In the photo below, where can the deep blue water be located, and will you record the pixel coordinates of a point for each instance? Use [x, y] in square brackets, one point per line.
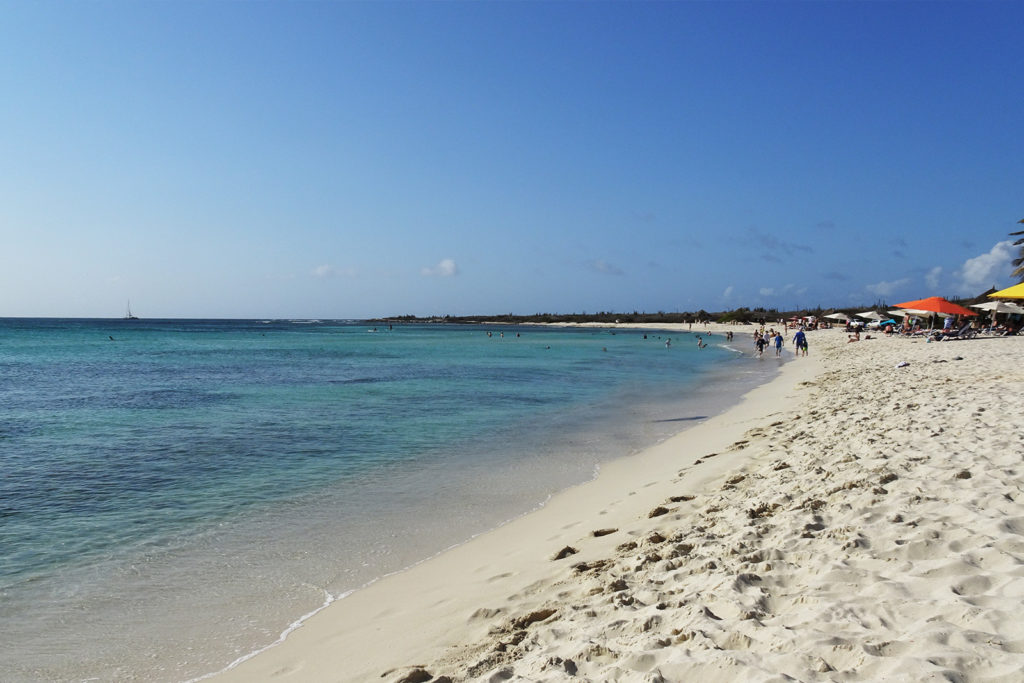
[140, 455]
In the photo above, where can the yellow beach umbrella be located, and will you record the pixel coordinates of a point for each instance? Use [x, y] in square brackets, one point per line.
[1015, 292]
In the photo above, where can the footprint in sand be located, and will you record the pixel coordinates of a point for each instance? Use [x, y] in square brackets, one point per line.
[484, 613]
[974, 585]
[564, 553]
[1014, 526]
[681, 499]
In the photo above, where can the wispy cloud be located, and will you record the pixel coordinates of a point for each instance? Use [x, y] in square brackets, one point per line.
[773, 248]
[604, 267]
[985, 270]
[887, 288]
[444, 268]
[931, 278]
[326, 270]
[728, 292]
[783, 291]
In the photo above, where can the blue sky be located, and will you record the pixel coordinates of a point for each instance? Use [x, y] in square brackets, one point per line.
[331, 159]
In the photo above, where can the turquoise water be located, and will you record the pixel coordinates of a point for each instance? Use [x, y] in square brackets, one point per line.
[176, 494]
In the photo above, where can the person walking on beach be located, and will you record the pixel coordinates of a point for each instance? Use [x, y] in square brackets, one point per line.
[800, 339]
[778, 344]
[760, 343]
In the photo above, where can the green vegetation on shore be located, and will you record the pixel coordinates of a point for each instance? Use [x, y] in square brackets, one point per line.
[740, 315]
[737, 315]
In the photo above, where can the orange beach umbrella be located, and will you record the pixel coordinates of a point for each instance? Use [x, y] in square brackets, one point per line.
[936, 304]
[1015, 292]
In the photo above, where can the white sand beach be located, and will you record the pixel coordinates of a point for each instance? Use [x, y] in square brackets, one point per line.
[851, 520]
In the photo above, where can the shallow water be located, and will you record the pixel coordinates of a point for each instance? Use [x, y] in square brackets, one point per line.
[177, 493]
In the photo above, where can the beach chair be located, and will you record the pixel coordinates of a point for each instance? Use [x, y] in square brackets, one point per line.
[965, 332]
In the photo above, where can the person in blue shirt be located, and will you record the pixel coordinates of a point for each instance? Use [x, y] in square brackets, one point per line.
[800, 339]
[778, 343]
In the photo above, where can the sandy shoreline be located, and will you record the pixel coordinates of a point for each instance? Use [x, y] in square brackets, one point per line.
[849, 520]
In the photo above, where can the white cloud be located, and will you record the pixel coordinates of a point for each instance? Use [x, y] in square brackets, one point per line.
[932, 277]
[728, 292]
[793, 289]
[605, 267]
[786, 290]
[983, 271]
[444, 268]
[887, 288]
[326, 270]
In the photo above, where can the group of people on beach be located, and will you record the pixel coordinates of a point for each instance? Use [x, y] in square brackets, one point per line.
[765, 338]
[953, 327]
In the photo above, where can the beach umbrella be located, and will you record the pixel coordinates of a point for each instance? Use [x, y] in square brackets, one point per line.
[1015, 292]
[871, 315]
[837, 316]
[936, 304]
[999, 307]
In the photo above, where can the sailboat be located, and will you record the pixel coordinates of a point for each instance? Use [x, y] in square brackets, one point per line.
[128, 314]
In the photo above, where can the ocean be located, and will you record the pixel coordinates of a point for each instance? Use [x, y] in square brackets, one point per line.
[177, 494]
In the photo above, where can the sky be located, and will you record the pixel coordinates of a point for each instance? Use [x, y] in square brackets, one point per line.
[364, 159]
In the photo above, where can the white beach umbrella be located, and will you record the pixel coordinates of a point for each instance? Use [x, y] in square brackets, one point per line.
[871, 315]
[837, 316]
[916, 313]
[999, 307]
